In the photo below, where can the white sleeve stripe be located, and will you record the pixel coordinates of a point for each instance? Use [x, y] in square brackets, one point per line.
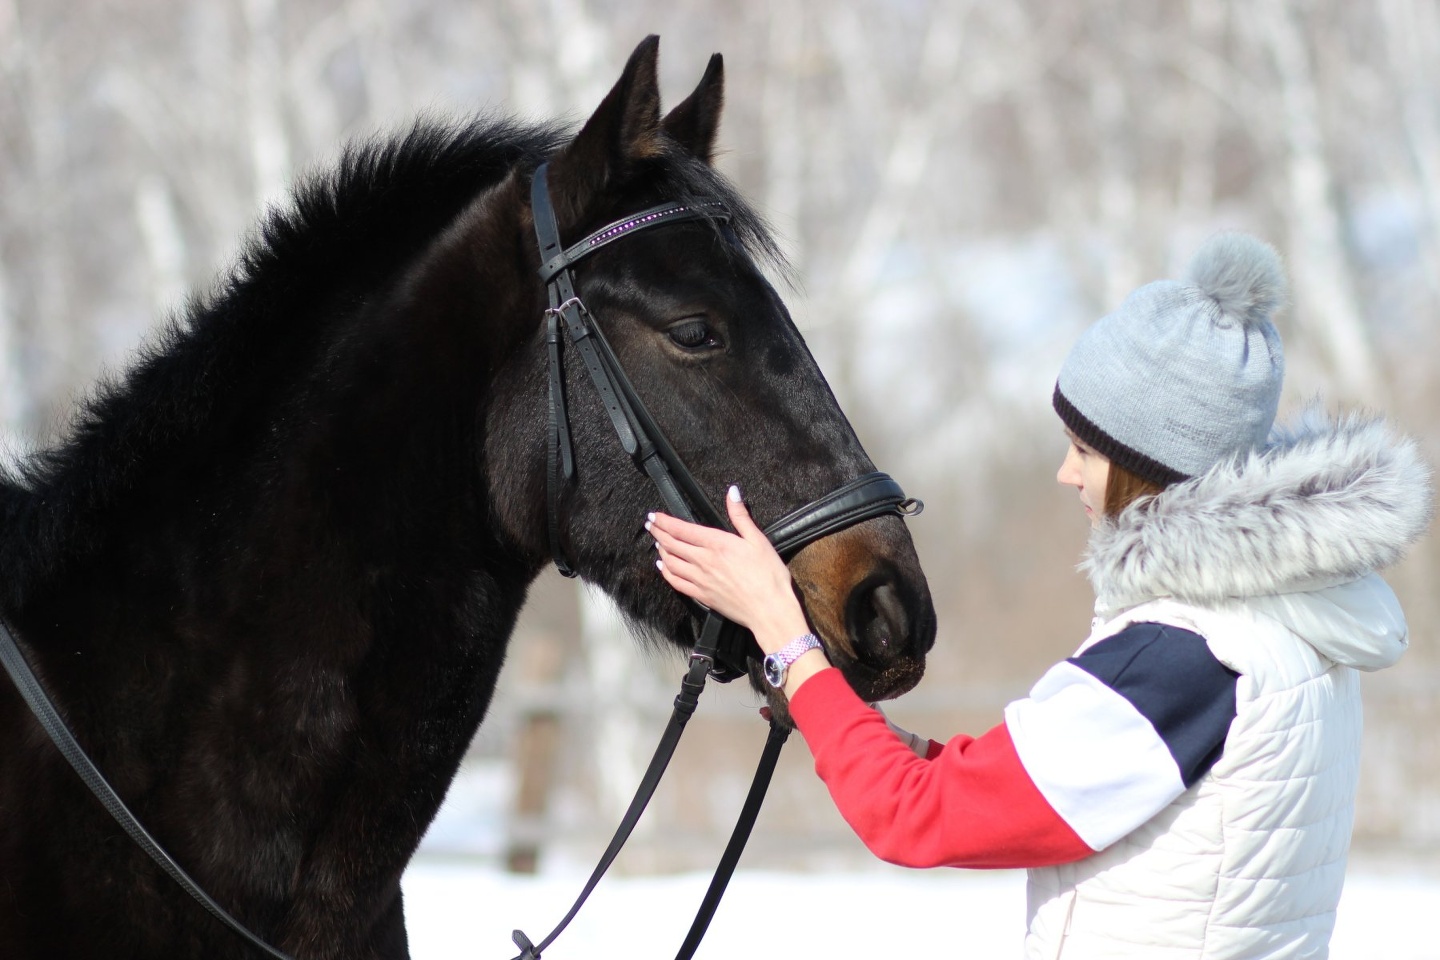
[1097, 761]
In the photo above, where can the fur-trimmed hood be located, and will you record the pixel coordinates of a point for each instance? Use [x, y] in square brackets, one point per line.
[1325, 503]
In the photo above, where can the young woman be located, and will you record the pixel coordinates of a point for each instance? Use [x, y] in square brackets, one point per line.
[1184, 784]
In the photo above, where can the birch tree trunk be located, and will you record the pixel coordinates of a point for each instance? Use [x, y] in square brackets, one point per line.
[1412, 32]
[1327, 306]
[164, 241]
[265, 101]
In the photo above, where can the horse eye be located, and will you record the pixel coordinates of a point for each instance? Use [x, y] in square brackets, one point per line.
[693, 334]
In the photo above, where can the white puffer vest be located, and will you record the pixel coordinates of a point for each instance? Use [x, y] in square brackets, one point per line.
[1250, 861]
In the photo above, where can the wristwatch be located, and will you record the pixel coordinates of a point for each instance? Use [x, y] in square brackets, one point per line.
[777, 665]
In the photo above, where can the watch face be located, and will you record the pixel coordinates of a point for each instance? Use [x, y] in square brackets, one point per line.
[774, 670]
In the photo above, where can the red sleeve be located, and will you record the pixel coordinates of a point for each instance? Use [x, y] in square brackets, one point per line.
[970, 803]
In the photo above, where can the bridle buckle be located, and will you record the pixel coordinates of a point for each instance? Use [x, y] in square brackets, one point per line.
[559, 309]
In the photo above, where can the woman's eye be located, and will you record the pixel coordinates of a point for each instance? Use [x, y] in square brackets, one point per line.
[693, 334]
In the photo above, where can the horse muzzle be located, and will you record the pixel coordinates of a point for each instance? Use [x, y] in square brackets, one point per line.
[866, 597]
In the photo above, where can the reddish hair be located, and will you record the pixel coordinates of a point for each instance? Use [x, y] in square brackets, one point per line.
[1123, 487]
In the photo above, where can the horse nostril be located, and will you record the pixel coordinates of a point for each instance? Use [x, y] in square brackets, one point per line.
[884, 625]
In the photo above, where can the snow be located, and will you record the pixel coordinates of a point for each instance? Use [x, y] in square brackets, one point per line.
[460, 909]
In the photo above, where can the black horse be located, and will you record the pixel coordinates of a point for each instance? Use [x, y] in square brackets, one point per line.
[269, 575]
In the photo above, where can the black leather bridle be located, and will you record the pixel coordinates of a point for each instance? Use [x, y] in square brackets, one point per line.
[867, 496]
[722, 648]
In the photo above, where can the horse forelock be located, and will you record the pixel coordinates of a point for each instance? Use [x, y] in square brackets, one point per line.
[687, 179]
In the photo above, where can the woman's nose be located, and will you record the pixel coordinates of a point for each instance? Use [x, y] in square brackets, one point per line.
[1068, 475]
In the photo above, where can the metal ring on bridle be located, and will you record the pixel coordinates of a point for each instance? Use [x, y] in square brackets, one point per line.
[560, 310]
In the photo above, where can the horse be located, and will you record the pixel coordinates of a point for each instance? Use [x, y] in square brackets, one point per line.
[269, 572]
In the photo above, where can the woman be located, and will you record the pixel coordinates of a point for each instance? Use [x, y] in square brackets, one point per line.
[1184, 784]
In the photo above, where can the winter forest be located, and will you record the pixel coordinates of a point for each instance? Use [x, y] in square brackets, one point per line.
[960, 186]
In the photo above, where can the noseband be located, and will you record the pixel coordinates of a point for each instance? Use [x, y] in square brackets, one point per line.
[871, 495]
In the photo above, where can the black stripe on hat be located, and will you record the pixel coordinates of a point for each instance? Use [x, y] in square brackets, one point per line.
[1110, 448]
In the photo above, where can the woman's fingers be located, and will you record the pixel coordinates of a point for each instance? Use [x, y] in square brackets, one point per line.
[741, 577]
[681, 576]
[673, 574]
[683, 535]
[688, 567]
[692, 545]
[740, 517]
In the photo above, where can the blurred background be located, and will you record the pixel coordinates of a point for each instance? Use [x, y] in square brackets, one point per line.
[960, 186]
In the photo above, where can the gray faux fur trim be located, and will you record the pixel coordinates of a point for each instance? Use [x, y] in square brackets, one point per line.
[1326, 500]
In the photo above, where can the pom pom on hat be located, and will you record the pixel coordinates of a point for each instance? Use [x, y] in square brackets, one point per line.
[1184, 374]
[1242, 275]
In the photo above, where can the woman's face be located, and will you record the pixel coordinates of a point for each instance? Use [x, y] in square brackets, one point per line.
[1086, 471]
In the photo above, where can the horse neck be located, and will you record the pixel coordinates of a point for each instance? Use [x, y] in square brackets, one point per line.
[327, 516]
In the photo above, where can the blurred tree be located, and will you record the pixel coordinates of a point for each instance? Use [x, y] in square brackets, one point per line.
[960, 187]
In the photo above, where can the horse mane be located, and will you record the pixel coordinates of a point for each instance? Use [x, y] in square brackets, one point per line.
[345, 232]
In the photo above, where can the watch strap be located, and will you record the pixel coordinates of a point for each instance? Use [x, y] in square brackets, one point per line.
[797, 648]
[777, 664]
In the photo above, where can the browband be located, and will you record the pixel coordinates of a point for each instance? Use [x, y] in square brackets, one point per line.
[652, 217]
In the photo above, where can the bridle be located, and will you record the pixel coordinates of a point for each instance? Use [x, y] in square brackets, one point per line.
[720, 650]
[867, 496]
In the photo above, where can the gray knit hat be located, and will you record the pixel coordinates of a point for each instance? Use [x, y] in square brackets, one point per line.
[1186, 373]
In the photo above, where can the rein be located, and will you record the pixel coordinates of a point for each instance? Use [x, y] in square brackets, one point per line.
[721, 651]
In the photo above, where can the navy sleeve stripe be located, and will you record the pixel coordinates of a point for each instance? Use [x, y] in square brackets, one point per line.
[1171, 678]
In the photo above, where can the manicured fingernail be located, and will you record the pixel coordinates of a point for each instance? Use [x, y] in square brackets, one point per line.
[649, 519]
[649, 524]
[733, 493]
[659, 564]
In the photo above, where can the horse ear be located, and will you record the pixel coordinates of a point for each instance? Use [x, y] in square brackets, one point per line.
[623, 129]
[695, 121]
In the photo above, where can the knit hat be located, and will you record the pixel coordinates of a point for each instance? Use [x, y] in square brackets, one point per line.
[1184, 374]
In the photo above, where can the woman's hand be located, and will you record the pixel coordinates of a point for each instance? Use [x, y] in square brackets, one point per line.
[740, 577]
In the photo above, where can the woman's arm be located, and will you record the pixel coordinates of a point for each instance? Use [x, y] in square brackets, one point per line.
[1104, 742]
[971, 803]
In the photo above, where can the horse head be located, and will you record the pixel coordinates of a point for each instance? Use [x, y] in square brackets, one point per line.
[714, 356]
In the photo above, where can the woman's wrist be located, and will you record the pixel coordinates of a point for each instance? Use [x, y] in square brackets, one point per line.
[774, 639]
[805, 666]
[783, 625]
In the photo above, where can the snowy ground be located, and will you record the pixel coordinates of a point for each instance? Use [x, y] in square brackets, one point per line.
[458, 911]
